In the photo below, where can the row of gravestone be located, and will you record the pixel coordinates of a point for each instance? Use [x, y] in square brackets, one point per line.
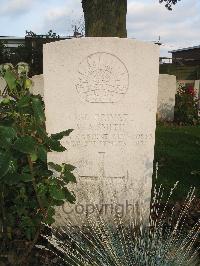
[106, 89]
[167, 88]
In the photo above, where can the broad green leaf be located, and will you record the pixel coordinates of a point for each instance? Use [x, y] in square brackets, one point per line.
[57, 192]
[5, 100]
[5, 160]
[14, 179]
[49, 219]
[41, 170]
[7, 134]
[41, 189]
[38, 109]
[33, 157]
[69, 167]
[29, 227]
[60, 135]
[28, 83]
[26, 169]
[55, 166]
[26, 177]
[24, 102]
[42, 153]
[10, 78]
[26, 144]
[42, 133]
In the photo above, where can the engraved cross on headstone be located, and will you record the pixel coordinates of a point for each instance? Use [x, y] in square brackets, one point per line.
[101, 170]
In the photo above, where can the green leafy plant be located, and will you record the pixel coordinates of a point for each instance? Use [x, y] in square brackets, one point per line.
[186, 107]
[30, 187]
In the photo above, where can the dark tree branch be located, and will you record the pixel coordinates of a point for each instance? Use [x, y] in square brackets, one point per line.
[169, 3]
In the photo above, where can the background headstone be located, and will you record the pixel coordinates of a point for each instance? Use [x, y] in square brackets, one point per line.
[166, 97]
[197, 91]
[2, 84]
[38, 85]
[106, 90]
[197, 88]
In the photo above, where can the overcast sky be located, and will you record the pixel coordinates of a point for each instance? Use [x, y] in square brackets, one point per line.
[146, 20]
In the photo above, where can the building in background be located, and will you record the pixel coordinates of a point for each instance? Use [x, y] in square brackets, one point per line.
[187, 56]
[185, 64]
[11, 42]
[29, 49]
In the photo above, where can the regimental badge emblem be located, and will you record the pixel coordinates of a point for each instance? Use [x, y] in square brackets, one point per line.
[102, 78]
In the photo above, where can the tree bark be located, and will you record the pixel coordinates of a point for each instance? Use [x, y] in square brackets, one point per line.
[105, 18]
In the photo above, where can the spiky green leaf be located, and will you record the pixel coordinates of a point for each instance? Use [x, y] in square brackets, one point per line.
[55, 145]
[55, 166]
[60, 135]
[69, 196]
[69, 177]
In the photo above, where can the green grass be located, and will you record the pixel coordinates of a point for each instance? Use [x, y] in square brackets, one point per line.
[177, 151]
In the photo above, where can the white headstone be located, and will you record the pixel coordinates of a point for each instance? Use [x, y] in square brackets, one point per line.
[197, 88]
[2, 84]
[38, 85]
[197, 93]
[166, 97]
[106, 90]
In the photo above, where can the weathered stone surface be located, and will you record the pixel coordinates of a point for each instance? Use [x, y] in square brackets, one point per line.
[106, 90]
[197, 94]
[197, 88]
[166, 97]
[2, 84]
[38, 85]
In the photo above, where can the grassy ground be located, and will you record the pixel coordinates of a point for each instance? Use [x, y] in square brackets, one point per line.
[177, 152]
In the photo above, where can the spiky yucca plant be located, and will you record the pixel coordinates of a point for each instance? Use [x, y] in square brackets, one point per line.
[104, 243]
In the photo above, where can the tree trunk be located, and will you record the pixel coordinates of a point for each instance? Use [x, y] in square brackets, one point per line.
[105, 18]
